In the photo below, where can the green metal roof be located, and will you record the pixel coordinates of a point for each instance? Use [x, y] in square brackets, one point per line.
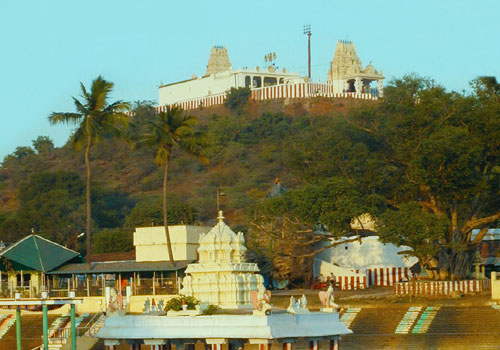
[38, 254]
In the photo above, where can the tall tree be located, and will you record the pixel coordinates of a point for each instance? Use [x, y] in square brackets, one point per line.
[95, 117]
[167, 131]
[291, 229]
[443, 153]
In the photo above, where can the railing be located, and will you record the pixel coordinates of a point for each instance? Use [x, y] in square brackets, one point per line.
[440, 288]
[61, 335]
[39, 347]
[282, 91]
[92, 323]
[141, 286]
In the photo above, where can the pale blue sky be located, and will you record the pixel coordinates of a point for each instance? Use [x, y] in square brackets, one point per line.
[48, 47]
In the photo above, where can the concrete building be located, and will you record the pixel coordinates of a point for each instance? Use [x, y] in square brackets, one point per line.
[151, 243]
[220, 77]
[345, 79]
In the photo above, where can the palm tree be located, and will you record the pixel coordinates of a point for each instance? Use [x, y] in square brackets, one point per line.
[94, 118]
[171, 129]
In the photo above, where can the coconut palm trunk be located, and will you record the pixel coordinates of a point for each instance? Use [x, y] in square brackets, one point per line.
[95, 118]
[165, 215]
[87, 195]
[168, 130]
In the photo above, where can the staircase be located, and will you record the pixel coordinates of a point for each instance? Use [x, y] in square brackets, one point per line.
[348, 315]
[31, 328]
[446, 328]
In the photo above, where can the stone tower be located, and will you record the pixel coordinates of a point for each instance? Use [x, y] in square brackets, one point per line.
[345, 61]
[222, 276]
[218, 61]
[346, 74]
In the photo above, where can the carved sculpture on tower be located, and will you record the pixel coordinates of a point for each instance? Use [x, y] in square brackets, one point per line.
[222, 276]
[218, 61]
[347, 75]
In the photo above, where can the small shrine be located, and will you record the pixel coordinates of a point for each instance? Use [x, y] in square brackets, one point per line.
[222, 276]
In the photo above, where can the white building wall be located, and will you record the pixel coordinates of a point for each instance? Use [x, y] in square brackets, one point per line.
[218, 83]
[213, 84]
[370, 253]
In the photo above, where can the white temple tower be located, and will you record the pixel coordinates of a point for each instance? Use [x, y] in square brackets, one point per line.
[218, 61]
[222, 276]
[347, 75]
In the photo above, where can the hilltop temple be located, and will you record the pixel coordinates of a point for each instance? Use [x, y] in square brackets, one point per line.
[346, 73]
[346, 78]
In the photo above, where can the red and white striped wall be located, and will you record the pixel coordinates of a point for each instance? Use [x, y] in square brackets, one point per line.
[387, 276]
[299, 90]
[352, 282]
[347, 279]
[440, 288]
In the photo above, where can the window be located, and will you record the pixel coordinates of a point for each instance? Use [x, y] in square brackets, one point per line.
[257, 82]
[268, 81]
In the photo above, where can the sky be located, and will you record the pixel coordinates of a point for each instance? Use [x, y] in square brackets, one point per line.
[49, 47]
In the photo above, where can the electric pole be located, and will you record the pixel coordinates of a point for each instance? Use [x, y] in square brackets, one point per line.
[307, 31]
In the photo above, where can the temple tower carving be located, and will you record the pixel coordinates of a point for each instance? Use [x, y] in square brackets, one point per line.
[346, 72]
[218, 61]
[222, 276]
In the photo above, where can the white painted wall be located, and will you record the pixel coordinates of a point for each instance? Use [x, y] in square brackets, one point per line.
[216, 84]
[370, 253]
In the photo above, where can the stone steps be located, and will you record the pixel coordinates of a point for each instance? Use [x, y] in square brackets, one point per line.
[31, 330]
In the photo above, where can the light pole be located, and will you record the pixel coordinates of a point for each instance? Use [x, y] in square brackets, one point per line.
[45, 322]
[73, 322]
[307, 31]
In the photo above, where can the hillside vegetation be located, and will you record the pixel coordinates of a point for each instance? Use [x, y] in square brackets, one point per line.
[42, 187]
[423, 161]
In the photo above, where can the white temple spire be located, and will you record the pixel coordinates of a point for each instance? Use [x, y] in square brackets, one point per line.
[220, 218]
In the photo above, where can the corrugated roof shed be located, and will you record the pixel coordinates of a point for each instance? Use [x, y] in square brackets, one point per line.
[119, 266]
[38, 254]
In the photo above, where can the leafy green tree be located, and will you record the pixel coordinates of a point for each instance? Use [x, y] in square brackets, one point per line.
[112, 240]
[43, 144]
[442, 154]
[22, 152]
[291, 229]
[237, 99]
[150, 212]
[95, 117]
[169, 130]
[50, 203]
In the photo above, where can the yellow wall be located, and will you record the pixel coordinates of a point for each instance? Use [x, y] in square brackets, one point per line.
[495, 286]
[151, 243]
[91, 305]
